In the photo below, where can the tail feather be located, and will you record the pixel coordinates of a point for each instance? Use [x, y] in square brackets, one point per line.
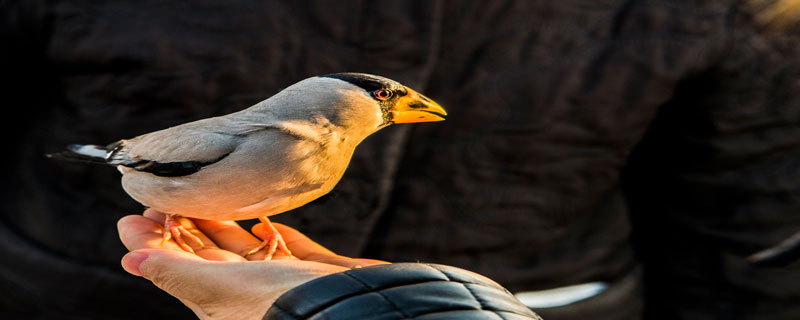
[82, 152]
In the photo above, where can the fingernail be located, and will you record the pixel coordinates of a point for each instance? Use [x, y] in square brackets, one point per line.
[132, 261]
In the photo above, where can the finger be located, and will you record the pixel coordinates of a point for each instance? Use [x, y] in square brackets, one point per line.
[154, 264]
[300, 245]
[227, 290]
[138, 232]
[187, 224]
[258, 229]
[217, 254]
[228, 235]
[154, 215]
[306, 249]
[274, 241]
[205, 241]
[131, 262]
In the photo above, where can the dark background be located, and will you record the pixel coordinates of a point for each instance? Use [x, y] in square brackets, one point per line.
[649, 143]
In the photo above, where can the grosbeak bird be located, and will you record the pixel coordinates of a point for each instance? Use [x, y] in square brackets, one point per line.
[275, 156]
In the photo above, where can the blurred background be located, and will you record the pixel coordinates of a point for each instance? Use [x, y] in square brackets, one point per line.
[602, 159]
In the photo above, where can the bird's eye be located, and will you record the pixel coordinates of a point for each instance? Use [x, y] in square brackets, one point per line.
[382, 94]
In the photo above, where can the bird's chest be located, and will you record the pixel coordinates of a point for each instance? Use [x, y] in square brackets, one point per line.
[311, 176]
[324, 165]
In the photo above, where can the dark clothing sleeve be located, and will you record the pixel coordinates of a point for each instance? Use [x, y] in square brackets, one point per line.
[587, 141]
[400, 291]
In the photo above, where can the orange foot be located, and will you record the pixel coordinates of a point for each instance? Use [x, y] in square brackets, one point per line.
[174, 229]
[272, 240]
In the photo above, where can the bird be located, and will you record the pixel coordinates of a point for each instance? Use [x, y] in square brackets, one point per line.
[272, 157]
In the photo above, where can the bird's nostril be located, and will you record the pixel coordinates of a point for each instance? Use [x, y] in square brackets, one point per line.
[416, 105]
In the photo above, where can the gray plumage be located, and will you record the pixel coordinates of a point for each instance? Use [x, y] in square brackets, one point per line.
[272, 157]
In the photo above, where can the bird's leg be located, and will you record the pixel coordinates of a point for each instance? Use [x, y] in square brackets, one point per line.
[272, 240]
[174, 229]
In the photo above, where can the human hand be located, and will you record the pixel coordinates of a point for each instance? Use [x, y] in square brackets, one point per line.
[218, 281]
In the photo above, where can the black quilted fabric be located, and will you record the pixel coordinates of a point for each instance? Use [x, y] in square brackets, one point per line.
[400, 291]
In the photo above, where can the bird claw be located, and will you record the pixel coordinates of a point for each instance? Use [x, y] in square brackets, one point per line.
[272, 241]
[174, 229]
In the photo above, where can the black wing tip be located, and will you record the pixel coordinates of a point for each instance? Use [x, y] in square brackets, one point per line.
[172, 169]
[70, 155]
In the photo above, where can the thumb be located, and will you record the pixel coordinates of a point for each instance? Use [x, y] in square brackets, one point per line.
[133, 262]
[191, 278]
[173, 271]
[196, 282]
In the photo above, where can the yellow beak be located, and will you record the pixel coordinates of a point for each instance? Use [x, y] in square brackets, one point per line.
[414, 107]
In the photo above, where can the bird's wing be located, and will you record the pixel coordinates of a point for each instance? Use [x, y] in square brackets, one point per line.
[181, 150]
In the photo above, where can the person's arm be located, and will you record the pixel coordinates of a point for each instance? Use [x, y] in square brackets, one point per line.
[219, 282]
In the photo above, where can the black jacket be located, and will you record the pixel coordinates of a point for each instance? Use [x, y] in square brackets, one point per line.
[400, 291]
[585, 140]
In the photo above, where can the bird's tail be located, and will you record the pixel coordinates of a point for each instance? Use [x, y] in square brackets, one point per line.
[82, 153]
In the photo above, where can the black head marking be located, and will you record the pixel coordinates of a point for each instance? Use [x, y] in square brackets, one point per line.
[368, 82]
[371, 83]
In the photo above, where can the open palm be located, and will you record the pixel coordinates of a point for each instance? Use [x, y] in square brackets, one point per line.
[220, 280]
